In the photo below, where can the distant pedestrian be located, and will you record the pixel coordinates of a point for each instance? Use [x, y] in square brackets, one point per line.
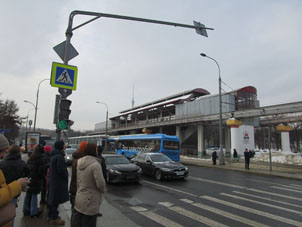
[235, 154]
[91, 187]
[58, 183]
[247, 156]
[36, 167]
[214, 157]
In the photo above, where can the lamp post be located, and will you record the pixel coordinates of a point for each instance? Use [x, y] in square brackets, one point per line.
[37, 100]
[221, 154]
[106, 130]
[35, 113]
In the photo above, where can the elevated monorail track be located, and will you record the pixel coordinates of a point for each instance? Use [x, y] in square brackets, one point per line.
[273, 110]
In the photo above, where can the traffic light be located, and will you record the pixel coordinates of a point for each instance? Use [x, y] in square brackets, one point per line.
[64, 110]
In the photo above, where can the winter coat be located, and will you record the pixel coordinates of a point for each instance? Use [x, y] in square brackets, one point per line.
[58, 178]
[36, 169]
[8, 191]
[247, 155]
[73, 182]
[214, 155]
[13, 167]
[90, 186]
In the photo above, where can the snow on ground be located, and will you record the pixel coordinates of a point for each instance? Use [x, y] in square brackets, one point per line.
[285, 157]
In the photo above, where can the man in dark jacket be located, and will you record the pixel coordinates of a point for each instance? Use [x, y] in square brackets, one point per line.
[58, 183]
[214, 157]
[247, 156]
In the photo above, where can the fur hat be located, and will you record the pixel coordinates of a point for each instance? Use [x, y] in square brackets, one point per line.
[47, 149]
[3, 143]
[59, 145]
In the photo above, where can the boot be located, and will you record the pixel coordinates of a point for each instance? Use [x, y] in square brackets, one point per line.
[58, 221]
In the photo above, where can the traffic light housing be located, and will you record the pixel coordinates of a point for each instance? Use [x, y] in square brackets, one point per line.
[64, 110]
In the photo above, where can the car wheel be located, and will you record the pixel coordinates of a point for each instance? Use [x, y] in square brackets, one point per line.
[158, 174]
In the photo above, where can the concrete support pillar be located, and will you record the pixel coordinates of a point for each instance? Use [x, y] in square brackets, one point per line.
[285, 143]
[227, 140]
[200, 143]
[161, 129]
[178, 133]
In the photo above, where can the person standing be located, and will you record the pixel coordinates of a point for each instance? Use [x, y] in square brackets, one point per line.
[235, 154]
[103, 163]
[9, 191]
[36, 167]
[13, 168]
[46, 160]
[214, 157]
[58, 183]
[73, 182]
[247, 156]
[91, 187]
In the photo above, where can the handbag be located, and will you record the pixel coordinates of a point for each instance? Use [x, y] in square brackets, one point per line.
[7, 213]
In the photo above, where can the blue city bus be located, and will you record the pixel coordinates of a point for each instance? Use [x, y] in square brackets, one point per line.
[130, 145]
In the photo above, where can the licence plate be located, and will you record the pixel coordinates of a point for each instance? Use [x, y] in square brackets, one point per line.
[130, 177]
[179, 173]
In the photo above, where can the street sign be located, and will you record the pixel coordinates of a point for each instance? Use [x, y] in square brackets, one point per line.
[64, 76]
[60, 50]
[201, 30]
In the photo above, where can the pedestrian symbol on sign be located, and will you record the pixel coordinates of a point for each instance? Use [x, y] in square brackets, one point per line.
[64, 77]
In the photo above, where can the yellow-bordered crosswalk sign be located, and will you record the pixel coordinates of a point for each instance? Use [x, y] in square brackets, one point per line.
[64, 76]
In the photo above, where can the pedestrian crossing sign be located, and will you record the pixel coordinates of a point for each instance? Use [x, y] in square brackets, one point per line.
[64, 76]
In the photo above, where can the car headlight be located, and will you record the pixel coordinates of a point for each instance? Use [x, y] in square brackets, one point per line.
[139, 170]
[68, 157]
[166, 169]
[115, 171]
[186, 168]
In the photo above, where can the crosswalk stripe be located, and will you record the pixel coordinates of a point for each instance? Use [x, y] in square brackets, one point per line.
[287, 189]
[254, 211]
[217, 182]
[155, 217]
[264, 204]
[263, 198]
[275, 194]
[296, 185]
[169, 188]
[225, 213]
[192, 215]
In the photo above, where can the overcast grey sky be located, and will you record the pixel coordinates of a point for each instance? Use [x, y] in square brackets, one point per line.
[256, 42]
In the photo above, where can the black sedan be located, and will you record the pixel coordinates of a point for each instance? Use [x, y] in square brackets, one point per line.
[160, 166]
[120, 169]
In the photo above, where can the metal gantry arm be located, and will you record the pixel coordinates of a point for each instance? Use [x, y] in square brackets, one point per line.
[98, 15]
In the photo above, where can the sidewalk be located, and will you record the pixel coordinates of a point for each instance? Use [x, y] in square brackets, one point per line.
[279, 170]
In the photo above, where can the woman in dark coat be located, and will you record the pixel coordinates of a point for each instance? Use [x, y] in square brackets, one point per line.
[36, 168]
[58, 183]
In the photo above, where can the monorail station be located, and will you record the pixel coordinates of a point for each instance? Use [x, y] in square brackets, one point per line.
[193, 116]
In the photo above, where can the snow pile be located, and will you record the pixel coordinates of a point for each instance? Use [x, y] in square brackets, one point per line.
[285, 157]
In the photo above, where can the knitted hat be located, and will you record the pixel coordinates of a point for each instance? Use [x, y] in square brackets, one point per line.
[82, 146]
[3, 143]
[59, 145]
[47, 148]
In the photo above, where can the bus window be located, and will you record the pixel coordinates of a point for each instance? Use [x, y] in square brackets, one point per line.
[171, 145]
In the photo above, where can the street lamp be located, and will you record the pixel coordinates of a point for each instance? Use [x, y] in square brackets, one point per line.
[35, 112]
[106, 130]
[221, 154]
[36, 108]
